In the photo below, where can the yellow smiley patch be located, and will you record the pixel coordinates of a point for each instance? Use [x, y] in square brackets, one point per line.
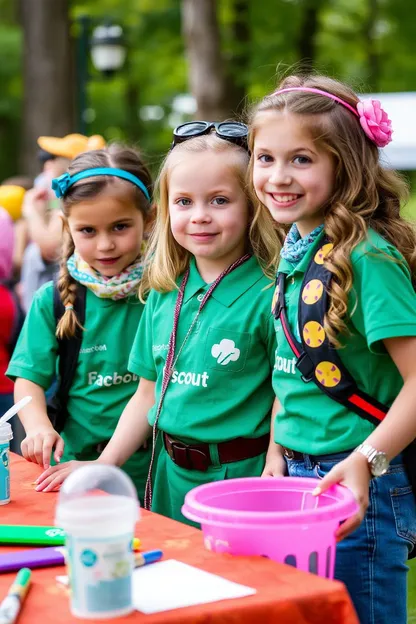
[322, 253]
[313, 334]
[312, 292]
[328, 374]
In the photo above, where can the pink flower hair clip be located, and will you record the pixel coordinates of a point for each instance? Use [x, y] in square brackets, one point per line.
[375, 122]
[373, 119]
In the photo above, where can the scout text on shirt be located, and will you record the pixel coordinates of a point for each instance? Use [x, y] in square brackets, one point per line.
[287, 365]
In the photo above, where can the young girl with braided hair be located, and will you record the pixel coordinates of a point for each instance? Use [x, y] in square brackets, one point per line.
[345, 310]
[106, 199]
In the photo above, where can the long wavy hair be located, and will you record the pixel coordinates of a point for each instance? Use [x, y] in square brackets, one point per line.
[365, 194]
[114, 155]
[169, 259]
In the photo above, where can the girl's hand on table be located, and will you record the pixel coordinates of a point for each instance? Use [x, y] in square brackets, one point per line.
[354, 473]
[37, 446]
[52, 478]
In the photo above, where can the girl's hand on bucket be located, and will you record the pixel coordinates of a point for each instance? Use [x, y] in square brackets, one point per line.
[275, 464]
[54, 476]
[353, 473]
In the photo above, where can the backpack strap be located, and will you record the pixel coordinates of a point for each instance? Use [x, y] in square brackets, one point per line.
[68, 348]
[317, 359]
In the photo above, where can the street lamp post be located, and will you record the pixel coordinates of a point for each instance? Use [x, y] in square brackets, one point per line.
[108, 49]
[82, 72]
[108, 54]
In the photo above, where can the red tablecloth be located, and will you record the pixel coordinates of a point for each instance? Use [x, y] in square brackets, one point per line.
[284, 595]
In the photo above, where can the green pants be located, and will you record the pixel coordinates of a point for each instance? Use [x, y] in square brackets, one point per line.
[171, 482]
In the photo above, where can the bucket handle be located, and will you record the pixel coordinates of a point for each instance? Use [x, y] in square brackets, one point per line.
[309, 502]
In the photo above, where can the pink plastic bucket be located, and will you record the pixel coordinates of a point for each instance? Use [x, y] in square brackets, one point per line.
[276, 518]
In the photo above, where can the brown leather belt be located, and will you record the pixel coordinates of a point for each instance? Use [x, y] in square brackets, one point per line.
[197, 456]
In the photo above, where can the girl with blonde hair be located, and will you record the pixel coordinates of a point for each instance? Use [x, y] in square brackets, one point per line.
[205, 346]
[348, 268]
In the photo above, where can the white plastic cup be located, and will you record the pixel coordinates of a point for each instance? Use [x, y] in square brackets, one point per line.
[98, 510]
[6, 434]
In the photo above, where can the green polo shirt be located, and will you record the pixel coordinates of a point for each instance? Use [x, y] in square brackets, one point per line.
[221, 387]
[102, 384]
[382, 304]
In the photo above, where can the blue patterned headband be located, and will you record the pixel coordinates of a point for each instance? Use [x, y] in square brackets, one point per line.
[65, 181]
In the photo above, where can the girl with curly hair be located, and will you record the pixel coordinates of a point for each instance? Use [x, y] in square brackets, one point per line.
[316, 170]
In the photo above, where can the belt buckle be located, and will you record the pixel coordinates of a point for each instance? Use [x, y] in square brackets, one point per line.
[305, 367]
[182, 455]
[179, 454]
[288, 453]
[188, 457]
[168, 444]
[169, 451]
[198, 459]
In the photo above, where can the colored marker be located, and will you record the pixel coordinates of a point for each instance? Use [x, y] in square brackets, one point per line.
[151, 556]
[136, 544]
[11, 605]
[140, 559]
[29, 534]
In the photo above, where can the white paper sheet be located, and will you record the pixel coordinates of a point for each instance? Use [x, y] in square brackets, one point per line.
[172, 584]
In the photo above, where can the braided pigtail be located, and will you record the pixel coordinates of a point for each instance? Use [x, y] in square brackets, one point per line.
[67, 288]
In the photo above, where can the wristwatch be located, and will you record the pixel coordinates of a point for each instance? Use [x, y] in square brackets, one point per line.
[377, 460]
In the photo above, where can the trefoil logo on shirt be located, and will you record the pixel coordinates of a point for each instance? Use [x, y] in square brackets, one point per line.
[225, 352]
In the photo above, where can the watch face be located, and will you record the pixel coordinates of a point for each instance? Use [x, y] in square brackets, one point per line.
[379, 465]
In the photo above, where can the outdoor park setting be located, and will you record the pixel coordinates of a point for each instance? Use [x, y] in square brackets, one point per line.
[80, 81]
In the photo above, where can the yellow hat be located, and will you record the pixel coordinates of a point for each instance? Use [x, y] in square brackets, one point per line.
[11, 199]
[70, 145]
[95, 142]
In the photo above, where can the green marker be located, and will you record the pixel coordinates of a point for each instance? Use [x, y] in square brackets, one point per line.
[11, 605]
[28, 534]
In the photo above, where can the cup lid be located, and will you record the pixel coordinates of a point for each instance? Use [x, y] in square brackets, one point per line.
[6, 432]
[96, 492]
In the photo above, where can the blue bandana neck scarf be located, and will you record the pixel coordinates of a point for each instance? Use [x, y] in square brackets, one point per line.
[120, 286]
[295, 247]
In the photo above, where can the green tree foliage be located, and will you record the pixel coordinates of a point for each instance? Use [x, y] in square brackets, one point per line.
[155, 73]
[10, 90]
[367, 42]
[370, 43]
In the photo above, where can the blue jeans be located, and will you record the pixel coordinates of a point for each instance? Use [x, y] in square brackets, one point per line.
[372, 560]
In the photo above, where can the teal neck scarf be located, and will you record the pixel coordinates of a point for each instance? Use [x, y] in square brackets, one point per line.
[295, 247]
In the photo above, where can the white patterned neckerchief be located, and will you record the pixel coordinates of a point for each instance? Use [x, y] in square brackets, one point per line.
[117, 287]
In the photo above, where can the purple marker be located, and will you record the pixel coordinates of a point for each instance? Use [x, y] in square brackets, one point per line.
[34, 558]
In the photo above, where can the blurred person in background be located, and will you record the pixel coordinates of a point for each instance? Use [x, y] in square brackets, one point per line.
[12, 192]
[10, 316]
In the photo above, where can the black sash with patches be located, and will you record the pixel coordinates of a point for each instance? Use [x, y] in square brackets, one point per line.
[317, 360]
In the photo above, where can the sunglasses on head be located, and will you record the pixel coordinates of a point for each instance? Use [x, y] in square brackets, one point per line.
[232, 131]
